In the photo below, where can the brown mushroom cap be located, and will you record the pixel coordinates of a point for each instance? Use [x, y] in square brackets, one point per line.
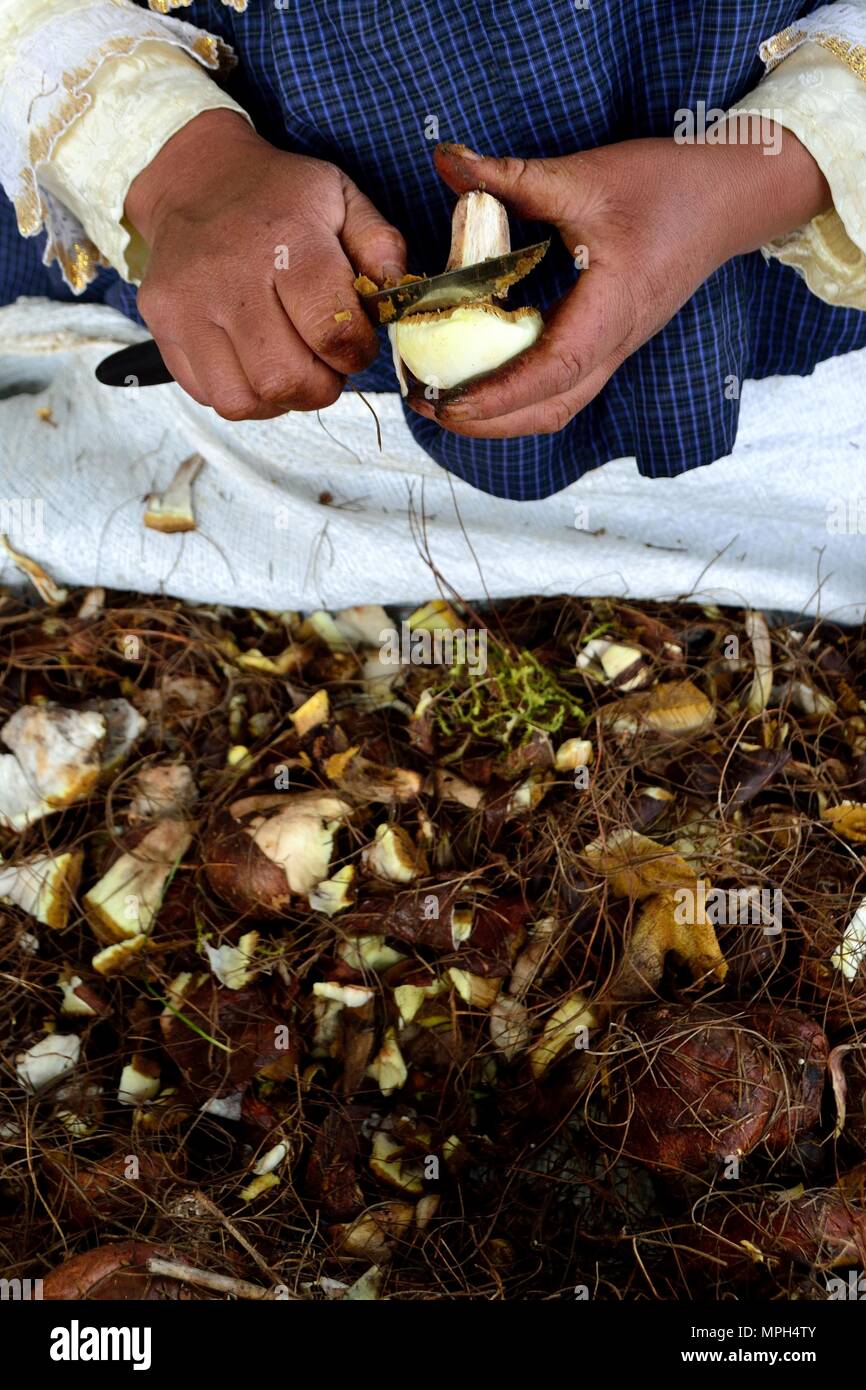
[116, 1271]
[698, 1084]
[240, 874]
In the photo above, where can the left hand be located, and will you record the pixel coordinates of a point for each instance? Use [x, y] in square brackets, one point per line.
[657, 219]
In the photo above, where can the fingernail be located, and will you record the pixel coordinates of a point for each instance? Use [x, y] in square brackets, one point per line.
[391, 273]
[458, 410]
[460, 151]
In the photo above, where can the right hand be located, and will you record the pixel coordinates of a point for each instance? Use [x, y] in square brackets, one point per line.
[244, 326]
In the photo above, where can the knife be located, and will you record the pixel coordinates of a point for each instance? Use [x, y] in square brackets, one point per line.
[142, 363]
[484, 280]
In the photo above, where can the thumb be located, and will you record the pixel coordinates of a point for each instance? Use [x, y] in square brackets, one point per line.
[373, 246]
[532, 188]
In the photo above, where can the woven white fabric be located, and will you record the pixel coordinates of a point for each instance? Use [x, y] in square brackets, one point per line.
[775, 525]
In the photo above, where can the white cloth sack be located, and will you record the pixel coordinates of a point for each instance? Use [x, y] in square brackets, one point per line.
[775, 525]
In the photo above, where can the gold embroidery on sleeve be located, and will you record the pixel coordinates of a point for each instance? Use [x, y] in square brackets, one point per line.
[165, 6]
[853, 55]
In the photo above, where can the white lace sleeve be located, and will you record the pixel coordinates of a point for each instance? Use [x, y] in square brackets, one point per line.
[89, 92]
[816, 87]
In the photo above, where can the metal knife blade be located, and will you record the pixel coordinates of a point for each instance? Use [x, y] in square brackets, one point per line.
[485, 280]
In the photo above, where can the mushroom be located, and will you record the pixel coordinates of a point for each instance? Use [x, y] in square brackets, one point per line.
[572, 754]
[232, 965]
[478, 991]
[367, 953]
[636, 866]
[446, 347]
[394, 856]
[561, 1030]
[119, 957]
[49, 1059]
[271, 1159]
[387, 1162]
[139, 1081]
[266, 849]
[172, 510]
[164, 789]
[79, 1000]
[388, 1068]
[349, 996]
[364, 780]
[50, 592]
[614, 663]
[43, 887]
[676, 708]
[58, 750]
[374, 1235]
[762, 682]
[123, 726]
[92, 604]
[510, 1027]
[58, 755]
[528, 793]
[311, 713]
[362, 626]
[20, 804]
[334, 894]
[413, 992]
[851, 952]
[125, 901]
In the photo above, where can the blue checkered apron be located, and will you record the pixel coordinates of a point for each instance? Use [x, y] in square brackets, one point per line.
[371, 84]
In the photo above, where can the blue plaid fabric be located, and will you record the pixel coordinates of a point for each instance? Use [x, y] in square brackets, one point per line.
[358, 81]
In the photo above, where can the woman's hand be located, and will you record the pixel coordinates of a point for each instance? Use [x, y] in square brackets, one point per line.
[253, 252]
[656, 219]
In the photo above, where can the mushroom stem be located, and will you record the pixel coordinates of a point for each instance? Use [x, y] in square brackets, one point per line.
[50, 593]
[172, 510]
[479, 230]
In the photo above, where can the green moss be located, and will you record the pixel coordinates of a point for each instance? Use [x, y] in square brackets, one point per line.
[515, 698]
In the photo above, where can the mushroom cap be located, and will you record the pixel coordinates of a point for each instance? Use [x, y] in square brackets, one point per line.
[448, 348]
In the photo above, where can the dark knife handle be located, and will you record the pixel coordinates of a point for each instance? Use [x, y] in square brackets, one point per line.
[139, 365]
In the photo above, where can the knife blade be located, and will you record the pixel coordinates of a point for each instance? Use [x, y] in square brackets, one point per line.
[485, 280]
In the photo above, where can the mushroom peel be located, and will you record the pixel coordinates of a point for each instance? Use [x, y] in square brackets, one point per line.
[43, 887]
[171, 510]
[58, 755]
[50, 1058]
[446, 347]
[125, 901]
[266, 849]
[57, 749]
